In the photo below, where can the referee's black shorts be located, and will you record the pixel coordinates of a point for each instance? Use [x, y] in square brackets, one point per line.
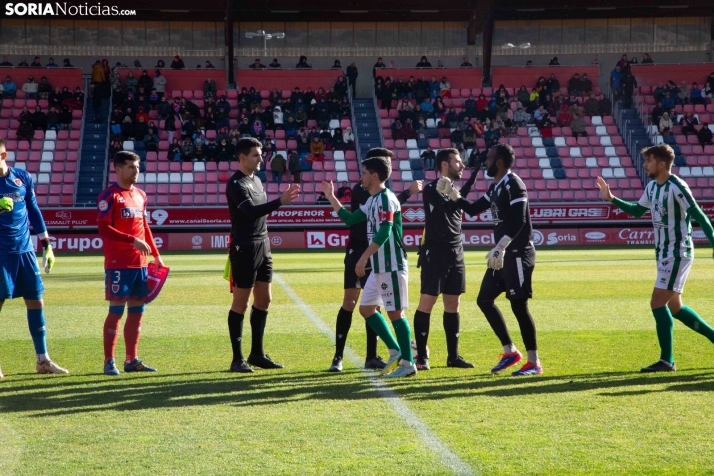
[514, 278]
[251, 262]
[442, 269]
[352, 255]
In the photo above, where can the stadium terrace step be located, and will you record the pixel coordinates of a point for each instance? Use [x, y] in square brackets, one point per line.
[366, 127]
[93, 156]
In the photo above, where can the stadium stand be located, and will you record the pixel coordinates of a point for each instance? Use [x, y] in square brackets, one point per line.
[48, 149]
[681, 92]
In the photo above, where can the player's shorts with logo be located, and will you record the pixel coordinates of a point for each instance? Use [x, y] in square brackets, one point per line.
[352, 256]
[672, 273]
[251, 262]
[514, 278]
[127, 284]
[388, 290]
[442, 269]
[20, 276]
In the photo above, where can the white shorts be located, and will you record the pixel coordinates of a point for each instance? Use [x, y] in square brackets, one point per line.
[672, 273]
[389, 290]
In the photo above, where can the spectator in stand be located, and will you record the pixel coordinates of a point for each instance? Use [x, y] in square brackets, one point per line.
[465, 63]
[25, 114]
[257, 129]
[397, 129]
[338, 140]
[349, 138]
[578, 126]
[646, 59]
[422, 136]
[696, 94]
[632, 61]
[605, 106]
[151, 140]
[199, 152]
[658, 92]
[25, 131]
[294, 165]
[575, 86]
[491, 136]
[275, 64]
[657, 113]
[160, 64]
[66, 63]
[440, 108]
[352, 74]
[554, 62]
[552, 85]
[623, 63]
[53, 119]
[141, 128]
[423, 63]
[428, 158]
[127, 128]
[51, 64]
[667, 101]
[39, 119]
[36, 63]
[341, 86]
[210, 88]
[665, 125]
[445, 88]
[23, 63]
[592, 106]
[345, 108]
[9, 88]
[564, 117]
[628, 83]
[317, 149]
[66, 118]
[177, 63]
[225, 151]
[130, 82]
[524, 96]
[209, 65]
[277, 167]
[5, 62]
[672, 89]
[44, 88]
[95, 91]
[684, 96]
[521, 117]
[529, 63]
[586, 85]
[378, 65]
[469, 137]
[344, 193]
[688, 122]
[336, 64]
[708, 93]
[615, 81]
[30, 87]
[256, 64]
[145, 81]
[539, 113]
[705, 135]
[187, 150]
[302, 63]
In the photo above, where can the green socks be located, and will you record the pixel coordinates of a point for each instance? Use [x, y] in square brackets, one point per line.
[404, 336]
[665, 327]
[691, 319]
[379, 325]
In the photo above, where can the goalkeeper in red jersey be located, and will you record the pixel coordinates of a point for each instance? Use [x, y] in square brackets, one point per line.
[123, 226]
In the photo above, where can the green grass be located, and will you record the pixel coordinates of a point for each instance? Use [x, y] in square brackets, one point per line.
[590, 413]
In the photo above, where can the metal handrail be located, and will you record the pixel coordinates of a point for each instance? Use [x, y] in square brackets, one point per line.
[354, 121]
[109, 135]
[376, 112]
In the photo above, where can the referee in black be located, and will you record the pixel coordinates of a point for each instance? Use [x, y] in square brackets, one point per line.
[249, 254]
[511, 261]
[441, 258]
[353, 284]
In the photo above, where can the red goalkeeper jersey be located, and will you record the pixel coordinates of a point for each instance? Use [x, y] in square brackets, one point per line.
[121, 216]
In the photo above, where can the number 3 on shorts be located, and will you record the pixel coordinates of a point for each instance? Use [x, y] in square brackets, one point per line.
[117, 277]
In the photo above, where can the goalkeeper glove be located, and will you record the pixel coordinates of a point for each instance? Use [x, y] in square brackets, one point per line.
[446, 187]
[48, 256]
[496, 255]
[6, 204]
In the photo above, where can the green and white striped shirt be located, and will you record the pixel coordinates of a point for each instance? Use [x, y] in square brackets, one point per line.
[669, 204]
[381, 210]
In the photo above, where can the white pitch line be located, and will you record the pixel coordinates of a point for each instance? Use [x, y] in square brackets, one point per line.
[431, 441]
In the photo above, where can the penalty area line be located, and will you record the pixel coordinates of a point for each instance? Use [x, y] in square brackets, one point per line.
[432, 442]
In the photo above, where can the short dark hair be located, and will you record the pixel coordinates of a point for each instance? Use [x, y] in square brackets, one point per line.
[124, 156]
[2, 143]
[444, 155]
[506, 154]
[379, 152]
[244, 145]
[382, 166]
[661, 152]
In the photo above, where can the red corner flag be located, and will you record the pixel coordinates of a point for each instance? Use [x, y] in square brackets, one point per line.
[157, 278]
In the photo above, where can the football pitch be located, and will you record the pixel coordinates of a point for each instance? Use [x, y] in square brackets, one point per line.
[591, 412]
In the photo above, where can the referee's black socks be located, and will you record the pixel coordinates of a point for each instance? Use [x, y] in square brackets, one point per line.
[452, 323]
[421, 332]
[257, 327]
[235, 330]
[342, 328]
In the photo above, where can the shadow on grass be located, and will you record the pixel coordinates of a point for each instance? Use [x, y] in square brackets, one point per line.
[97, 393]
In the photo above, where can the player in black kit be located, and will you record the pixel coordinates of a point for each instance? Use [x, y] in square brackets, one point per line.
[249, 254]
[353, 284]
[510, 271]
[441, 258]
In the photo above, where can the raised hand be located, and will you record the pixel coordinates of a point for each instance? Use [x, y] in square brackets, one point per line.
[328, 189]
[416, 187]
[604, 189]
[290, 194]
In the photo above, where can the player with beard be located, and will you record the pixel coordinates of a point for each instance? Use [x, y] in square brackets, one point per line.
[441, 258]
[354, 284]
[507, 272]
